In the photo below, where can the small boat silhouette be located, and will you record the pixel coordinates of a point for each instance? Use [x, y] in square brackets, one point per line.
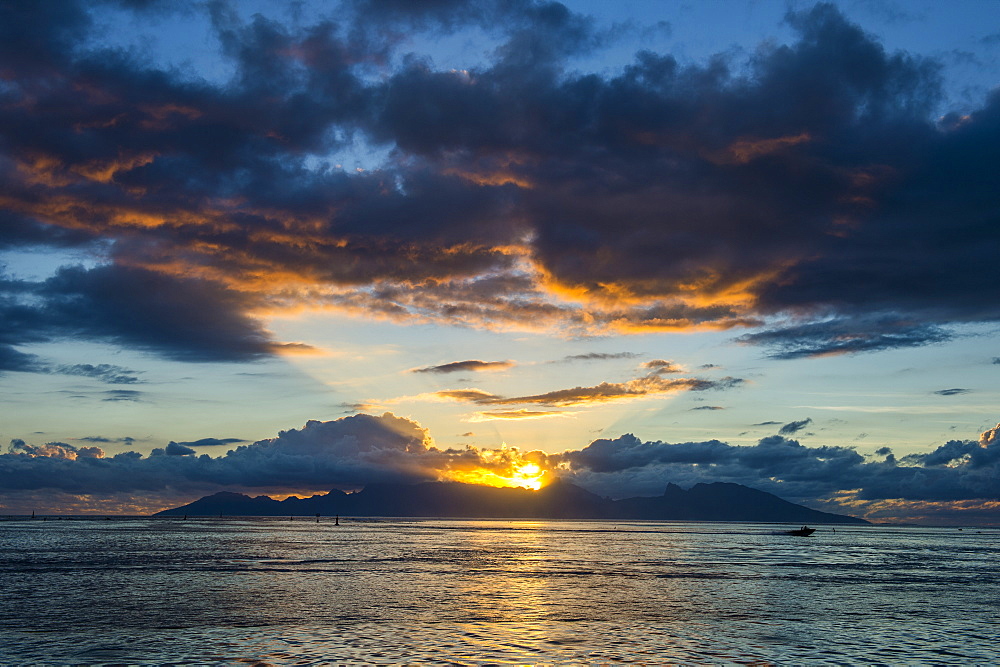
[804, 531]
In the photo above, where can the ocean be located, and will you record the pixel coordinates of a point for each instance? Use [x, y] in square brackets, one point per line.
[233, 591]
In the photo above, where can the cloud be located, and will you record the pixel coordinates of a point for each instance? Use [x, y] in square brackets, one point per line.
[211, 442]
[115, 395]
[103, 440]
[952, 392]
[468, 395]
[794, 427]
[54, 450]
[598, 356]
[651, 385]
[13, 360]
[494, 415]
[661, 366]
[182, 318]
[470, 365]
[845, 336]
[173, 449]
[709, 407]
[108, 373]
[769, 192]
[358, 407]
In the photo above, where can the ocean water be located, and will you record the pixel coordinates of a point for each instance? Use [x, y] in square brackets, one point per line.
[269, 591]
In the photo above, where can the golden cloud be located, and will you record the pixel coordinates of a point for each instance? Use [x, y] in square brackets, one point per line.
[604, 392]
[500, 415]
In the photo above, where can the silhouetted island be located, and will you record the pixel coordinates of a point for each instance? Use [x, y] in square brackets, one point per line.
[719, 501]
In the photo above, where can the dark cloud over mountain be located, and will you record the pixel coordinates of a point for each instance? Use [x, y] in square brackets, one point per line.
[348, 452]
[816, 189]
[957, 470]
[362, 449]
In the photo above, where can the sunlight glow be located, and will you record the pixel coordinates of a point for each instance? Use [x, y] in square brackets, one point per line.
[526, 476]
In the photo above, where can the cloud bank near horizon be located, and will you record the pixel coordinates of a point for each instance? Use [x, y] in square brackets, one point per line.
[815, 191]
[361, 449]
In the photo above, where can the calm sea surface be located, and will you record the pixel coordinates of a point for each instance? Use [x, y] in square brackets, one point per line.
[230, 591]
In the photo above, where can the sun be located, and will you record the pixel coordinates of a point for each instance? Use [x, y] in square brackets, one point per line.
[528, 476]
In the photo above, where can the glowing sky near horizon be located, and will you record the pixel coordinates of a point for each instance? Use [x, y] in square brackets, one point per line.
[522, 226]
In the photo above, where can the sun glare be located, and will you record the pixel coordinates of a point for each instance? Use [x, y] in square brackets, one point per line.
[527, 476]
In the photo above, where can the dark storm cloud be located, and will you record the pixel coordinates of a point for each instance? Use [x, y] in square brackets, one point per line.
[536, 31]
[182, 318]
[470, 365]
[13, 360]
[17, 232]
[819, 184]
[794, 427]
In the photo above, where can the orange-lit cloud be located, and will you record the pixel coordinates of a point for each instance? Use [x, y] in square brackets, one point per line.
[747, 149]
[661, 366]
[105, 171]
[510, 201]
[605, 392]
[501, 415]
[897, 510]
[469, 365]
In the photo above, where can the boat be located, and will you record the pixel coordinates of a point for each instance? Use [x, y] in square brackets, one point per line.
[804, 531]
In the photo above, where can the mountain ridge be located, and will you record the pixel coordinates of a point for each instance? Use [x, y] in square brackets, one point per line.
[715, 501]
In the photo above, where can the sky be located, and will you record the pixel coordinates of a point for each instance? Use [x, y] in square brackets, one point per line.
[283, 248]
